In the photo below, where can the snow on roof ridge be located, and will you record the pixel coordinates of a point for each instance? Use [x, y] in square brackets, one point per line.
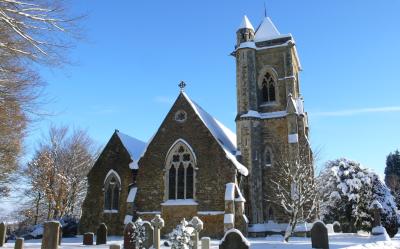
[266, 31]
[246, 24]
[134, 164]
[133, 145]
[224, 136]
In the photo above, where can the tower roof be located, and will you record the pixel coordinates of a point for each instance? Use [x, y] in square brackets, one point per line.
[266, 31]
[246, 24]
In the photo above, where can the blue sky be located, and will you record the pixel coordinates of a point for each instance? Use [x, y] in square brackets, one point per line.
[126, 71]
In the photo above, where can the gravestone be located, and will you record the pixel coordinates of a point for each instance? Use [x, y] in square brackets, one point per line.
[101, 235]
[115, 246]
[19, 243]
[148, 229]
[197, 224]
[234, 239]
[336, 227]
[88, 239]
[3, 230]
[157, 223]
[377, 228]
[129, 242]
[319, 236]
[205, 243]
[51, 235]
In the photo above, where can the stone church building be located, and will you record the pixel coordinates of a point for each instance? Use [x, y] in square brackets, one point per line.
[196, 166]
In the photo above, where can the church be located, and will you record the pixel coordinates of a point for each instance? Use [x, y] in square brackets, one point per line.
[196, 166]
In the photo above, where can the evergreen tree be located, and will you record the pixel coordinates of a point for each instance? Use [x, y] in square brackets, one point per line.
[392, 175]
[347, 191]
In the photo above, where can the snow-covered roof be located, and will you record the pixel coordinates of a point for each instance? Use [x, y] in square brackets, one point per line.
[266, 31]
[264, 115]
[230, 191]
[246, 24]
[224, 136]
[134, 146]
[127, 219]
[132, 195]
[229, 218]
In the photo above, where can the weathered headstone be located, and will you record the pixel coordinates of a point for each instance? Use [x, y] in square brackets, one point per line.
[115, 246]
[129, 242]
[88, 239]
[376, 209]
[234, 239]
[148, 229]
[319, 236]
[157, 223]
[19, 243]
[101, 235]
[51, 235]
[205, 243]
[3, 230]
[336, 227]
[197, 224]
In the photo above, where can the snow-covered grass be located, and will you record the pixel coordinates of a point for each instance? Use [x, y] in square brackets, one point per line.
[350, 241]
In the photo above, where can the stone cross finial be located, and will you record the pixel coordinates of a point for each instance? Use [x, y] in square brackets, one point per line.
[158, 222]
[197, 224]
[182, 85]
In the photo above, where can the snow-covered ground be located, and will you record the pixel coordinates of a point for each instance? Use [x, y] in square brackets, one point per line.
[352, 241]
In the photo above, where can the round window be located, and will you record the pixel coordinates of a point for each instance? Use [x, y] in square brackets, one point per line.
[180, 116]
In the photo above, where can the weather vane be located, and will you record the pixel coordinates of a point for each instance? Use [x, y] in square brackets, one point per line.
[182, 85]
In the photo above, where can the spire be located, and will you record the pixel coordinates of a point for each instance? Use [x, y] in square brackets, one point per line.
[246, 24]
[266, 31]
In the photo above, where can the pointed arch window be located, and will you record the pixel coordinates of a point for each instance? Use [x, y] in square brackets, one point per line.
[112, 187]
[268, 157]
[180, 171]
[268, 88]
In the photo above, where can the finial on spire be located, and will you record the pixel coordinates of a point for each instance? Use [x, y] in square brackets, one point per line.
[265, 10]
[182, 86]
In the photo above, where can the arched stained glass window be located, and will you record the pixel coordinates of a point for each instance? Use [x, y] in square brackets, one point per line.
[268, 88]
[181, 182]
[172, 183]
[189, 182]
[112, 186]
[180, 174]
[268, 156]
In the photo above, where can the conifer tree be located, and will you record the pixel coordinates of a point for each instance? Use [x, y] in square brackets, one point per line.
[392, 175]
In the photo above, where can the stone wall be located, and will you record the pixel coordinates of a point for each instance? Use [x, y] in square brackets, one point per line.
[114, 156]
[214, 170]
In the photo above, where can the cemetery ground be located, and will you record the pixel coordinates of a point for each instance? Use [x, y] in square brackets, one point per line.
[338, 240]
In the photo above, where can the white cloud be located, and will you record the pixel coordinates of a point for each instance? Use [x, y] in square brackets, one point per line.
[352, 112]
[163, 99]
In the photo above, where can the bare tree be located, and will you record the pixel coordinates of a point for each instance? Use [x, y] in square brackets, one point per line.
[31, 32]
[294, 189]
[57, 173]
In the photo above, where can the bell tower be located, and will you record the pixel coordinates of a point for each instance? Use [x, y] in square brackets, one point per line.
[271, 122]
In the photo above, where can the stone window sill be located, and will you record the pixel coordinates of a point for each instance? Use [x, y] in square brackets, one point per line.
[113, 211]
[180, 202]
